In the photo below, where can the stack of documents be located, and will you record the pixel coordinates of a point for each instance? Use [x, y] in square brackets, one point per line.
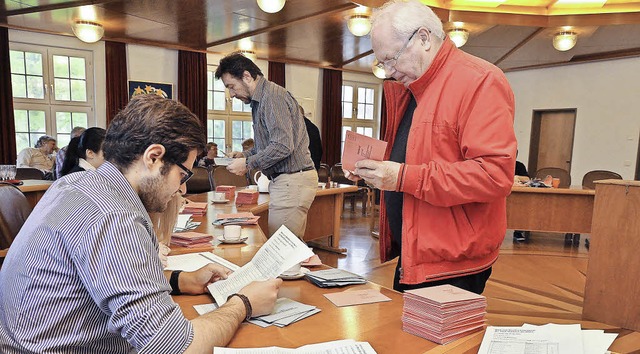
[236, 219]
[230, 191]
[247, 196]
[334, 277]
[549, 338]
[184, 222]
[345, 346]
[442, 313]
[194, 208]
[191, 239]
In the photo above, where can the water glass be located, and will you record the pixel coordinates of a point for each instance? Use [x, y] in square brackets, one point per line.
[4, 169]
[11, 173]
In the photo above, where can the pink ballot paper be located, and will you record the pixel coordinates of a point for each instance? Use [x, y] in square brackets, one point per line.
[361, 147]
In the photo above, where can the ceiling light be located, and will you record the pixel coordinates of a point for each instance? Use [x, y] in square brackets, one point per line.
[378, 72]
[271, 6]
[359, 24]
[87, 31]
[250, 54]
[564, 41]
[459, 36]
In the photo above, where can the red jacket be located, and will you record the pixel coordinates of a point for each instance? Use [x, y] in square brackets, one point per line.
[459, 167]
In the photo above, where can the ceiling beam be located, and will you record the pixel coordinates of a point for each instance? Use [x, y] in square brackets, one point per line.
[519, 45]
[357, 57]
[57, 6]
[329, 11]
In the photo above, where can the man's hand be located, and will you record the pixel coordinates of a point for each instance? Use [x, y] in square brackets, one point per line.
[262, 295]
[235, 154]
[379, 174]
[238, 166]
[195, 283]
[351, 176]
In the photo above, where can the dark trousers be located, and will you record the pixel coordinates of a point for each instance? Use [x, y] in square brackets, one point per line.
[474, 282]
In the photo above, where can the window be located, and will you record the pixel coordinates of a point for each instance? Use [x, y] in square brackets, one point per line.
[359, 109]
[229, 120]
[52, 92]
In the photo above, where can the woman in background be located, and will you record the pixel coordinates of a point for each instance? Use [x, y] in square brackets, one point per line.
[163, 224]
[84, 152]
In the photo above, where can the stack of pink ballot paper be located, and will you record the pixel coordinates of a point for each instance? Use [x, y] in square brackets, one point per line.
[194, 208]
[230, 191]
[442, 313]
[247, 196]
[191, 239]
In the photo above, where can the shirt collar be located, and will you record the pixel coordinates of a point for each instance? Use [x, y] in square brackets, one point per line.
[85, 164]
[418, 86]
[120, 183]
[258, 93]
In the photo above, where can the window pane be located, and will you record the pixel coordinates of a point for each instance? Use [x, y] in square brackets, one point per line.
[218, 130]
[361, 94]
[347, 93]
[218, 101]
[36, 122]
[220, 143]
[78, 90]
[247, 130]
[63, 139]
[21, 120]
[360, 130]
[35, 87]
[368, 132]
[369, 95]
[33, 137]
[218, 85]
[347, 109]
[236, 129]
[62, 91]
[19, 86]
[16, 60]
[361, 110]
[63, 122]
[236, 105]
[209, 100]
[368, 113]
[77, 67]
[209, 130]
[60, 66]
[79, 119]
[34, 63]
[22, 141]
[209, 80]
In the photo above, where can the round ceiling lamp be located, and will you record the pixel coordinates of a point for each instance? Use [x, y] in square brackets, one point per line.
[271, 6]
[359, 25]
[377, 71]
[88, 31]
[565, 40]
[459, 36]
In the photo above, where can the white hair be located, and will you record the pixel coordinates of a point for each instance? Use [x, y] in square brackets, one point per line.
[406, 16]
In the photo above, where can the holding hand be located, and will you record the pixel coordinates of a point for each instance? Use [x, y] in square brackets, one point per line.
[195, 283]
[238, 166]
[262, 295]
[378, 174]
[235, 154]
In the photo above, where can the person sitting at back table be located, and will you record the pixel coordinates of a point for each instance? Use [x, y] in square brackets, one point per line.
[83, 275]
[210, 153]
[163, 225]
[85, 152]
[247, 144]
[521, 171]
[39, 157]
[75, 132]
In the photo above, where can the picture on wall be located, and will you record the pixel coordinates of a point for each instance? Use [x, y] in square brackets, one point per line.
[150, 88]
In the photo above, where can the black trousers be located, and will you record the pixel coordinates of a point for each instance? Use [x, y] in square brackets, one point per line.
[474, 282]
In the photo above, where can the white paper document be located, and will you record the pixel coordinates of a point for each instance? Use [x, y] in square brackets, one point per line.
[223, 161]
[347, 346]
[194, 261]
[281, 252]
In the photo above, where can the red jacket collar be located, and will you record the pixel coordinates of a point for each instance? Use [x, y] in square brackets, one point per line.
[419, 86]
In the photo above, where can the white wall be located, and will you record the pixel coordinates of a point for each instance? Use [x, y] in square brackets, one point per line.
[153, 64]
[606, 96]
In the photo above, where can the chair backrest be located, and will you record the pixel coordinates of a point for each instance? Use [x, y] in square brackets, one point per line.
[222, 176]
[14, 210]
[597, 175]
[337, 175]
[29, 173]
[555, 172]
[199, 182]
[323, 173]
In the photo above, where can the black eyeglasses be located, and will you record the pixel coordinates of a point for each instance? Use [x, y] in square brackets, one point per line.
[188, 175]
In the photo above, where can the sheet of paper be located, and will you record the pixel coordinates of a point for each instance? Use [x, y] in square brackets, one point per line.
[445, 294]
[205, 308]
[356, 297]
[285, 307]
[347, 346]
[596, 341]
[194, 261]
[361, 147]
[557, 339]
[281, 252]
[222, 161]
[182, 220]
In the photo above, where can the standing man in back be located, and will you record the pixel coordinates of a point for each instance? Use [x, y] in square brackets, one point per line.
[281, 148]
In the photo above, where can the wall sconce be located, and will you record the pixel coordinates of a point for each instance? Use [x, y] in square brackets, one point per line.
[377, 71]
[250, 54]
[271, 6]
[564, 41]
[359, 25]
[459, 36]
[87, 31]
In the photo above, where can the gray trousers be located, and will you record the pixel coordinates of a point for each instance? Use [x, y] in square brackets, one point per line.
[290, 196]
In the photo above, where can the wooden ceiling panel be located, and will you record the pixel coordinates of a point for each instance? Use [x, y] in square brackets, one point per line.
[497, 41]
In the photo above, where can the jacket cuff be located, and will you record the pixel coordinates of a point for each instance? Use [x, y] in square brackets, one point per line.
[410, 180]
[400, 178]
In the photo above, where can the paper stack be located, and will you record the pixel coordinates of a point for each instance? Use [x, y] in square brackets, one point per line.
[236, 219]
[184, 222]
[247, 196]
[191, 239]
[230, 191]
[334, 277]
[442, 313]
[195, 208]
[338, 346]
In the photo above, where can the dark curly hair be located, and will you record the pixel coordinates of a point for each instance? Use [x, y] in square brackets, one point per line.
[235, 65]
[151, 119]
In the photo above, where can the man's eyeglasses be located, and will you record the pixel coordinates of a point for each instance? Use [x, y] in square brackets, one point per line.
[188, 175]
[391, 63]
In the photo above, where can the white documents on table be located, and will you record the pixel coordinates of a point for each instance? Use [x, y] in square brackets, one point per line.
[346, 346]
[194, 261]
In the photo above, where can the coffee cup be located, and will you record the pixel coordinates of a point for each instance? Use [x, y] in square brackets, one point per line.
[218, 196]
[232, 232]
[295, 270]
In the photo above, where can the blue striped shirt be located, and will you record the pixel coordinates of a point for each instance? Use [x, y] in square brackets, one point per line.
[281, 139]
[83, 275]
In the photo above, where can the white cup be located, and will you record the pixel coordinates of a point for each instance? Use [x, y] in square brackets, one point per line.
[217, 196]
[232, 232]
[295, 270]
[322, 185]
[252, 187]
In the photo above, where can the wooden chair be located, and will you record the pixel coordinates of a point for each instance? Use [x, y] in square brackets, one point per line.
[220, 176]
[337, 175]
[14, 210]
[199, 182]
[323, 173]
[29, 173]
[597, 175]
[555, 172]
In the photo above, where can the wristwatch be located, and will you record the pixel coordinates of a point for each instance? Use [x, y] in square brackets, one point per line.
[173, 281]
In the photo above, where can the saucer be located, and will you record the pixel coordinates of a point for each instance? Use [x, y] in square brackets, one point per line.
[220, 201]
[240, 240]
[301, 274]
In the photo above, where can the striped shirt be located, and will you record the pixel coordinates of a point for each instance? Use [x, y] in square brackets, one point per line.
[84, 276]
[281, 139]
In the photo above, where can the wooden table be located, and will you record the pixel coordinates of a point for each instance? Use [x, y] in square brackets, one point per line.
[34, 189]
[564, 210]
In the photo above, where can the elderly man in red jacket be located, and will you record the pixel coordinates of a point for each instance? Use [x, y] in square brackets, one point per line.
[451, 154]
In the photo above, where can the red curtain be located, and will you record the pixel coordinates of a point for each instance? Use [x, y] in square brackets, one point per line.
[331, 115]
[192, 83]
[116, 70]
[8, 151]
[276, 73]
